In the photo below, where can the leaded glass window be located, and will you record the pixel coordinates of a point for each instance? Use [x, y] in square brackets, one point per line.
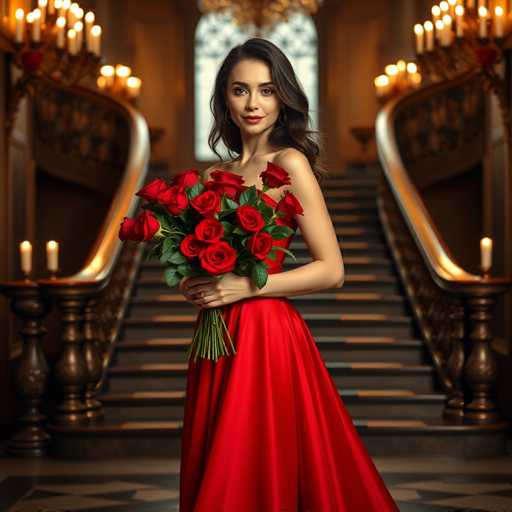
[217, 33]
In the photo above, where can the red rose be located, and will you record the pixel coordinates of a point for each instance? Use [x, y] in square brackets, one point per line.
[275, 176]
[147, 224]
[249, 218]
[186, 178]
[191, 247]
[209, 230]
[486, 56]
[129, 230]
[174, 198]
[224, 182]
[206, 203]
[31, 60]
[260, 244]
[151, 191]
[218, 258]
[290, 205]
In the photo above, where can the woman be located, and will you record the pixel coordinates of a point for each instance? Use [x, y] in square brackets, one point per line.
[265, 430]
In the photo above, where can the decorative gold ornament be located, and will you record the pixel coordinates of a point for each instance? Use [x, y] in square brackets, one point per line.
[261, 13]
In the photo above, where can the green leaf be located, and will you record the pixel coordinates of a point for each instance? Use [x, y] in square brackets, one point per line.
[279, 232]
[278, 248]
[272, 255]
[259, 274]
[228, 228]
[232, 205]
[177, 258]
[172, 277]
[248, 196]
[195, 190]
[185, 269]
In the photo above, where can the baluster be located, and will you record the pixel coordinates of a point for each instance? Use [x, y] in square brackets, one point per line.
[93, 361]
[480, 370]
[31, 376]
[454, 405]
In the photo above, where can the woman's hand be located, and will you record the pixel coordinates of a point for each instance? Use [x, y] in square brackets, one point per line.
[212, 291]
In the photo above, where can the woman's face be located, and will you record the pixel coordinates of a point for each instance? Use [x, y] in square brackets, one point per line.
[250, 92]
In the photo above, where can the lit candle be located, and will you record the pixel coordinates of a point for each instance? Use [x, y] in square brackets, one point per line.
[439, 31]
[485, 253]
[72, 48]
[96, 40]
[89, 21]
[122, 73]
[392, 73]
[26, 256]
[101, 82]
[51, 7]
[108, 73]
[61, 32]
[58, 7]
[452, 3]
[436, 13]
[459, 20]
[72, 14]
[42, 4]
[420, 38]
[445, 7]
[415, 80]
[133, 86]
[20, 25]
[64, 7]
[429, 35]
[447, 31]
[482, 27]
[79, 29]
[36, 25]
[470, 4]
[382, 85]
[52, 256]
[499, 22]
[79, 14]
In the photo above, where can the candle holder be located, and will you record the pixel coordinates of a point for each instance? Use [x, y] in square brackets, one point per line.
[485, 273]
[45, 59]
[52, 274]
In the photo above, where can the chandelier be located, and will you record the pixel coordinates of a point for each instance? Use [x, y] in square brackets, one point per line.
[261, 13]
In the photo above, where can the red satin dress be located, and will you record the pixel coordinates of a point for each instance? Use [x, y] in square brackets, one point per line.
[265, 430]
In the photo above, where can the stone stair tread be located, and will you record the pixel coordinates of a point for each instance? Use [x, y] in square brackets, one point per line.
[350, 342]
[342, 317]
[356, 278]
[338, 297]
[151, 397]
[432, 426]
[348, 261]
[151, 368]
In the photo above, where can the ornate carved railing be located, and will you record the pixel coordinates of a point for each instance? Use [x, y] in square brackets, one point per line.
[96, 138]
[452, 306]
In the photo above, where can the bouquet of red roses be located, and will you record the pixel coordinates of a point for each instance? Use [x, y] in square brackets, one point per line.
[211, 228]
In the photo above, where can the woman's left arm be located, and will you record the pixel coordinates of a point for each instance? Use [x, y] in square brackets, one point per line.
[324, 272]
[327, 269]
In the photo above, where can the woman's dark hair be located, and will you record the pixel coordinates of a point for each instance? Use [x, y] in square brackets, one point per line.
[291, 129]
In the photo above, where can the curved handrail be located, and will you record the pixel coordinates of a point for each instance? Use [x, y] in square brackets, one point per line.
[107, 246]
[445, 271]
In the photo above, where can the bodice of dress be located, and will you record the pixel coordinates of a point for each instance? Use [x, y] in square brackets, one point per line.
[276, 265]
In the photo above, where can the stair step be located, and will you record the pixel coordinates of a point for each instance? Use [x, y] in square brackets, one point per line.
[169, 405]
[381, 437]
[347, 302]
[162, 376]
[346, 324]
[331, 348]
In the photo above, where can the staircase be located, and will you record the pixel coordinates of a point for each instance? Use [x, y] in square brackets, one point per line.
[364, 331]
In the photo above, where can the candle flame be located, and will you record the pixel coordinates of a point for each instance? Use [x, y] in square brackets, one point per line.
[418, 29]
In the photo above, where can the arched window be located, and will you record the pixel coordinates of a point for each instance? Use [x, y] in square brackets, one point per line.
[217, 33]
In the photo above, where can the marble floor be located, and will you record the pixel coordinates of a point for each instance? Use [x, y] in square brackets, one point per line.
[144, 485]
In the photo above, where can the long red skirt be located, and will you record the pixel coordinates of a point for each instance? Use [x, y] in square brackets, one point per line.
[266, 430]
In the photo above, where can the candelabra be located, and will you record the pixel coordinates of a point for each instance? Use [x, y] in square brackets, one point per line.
[43, 48]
